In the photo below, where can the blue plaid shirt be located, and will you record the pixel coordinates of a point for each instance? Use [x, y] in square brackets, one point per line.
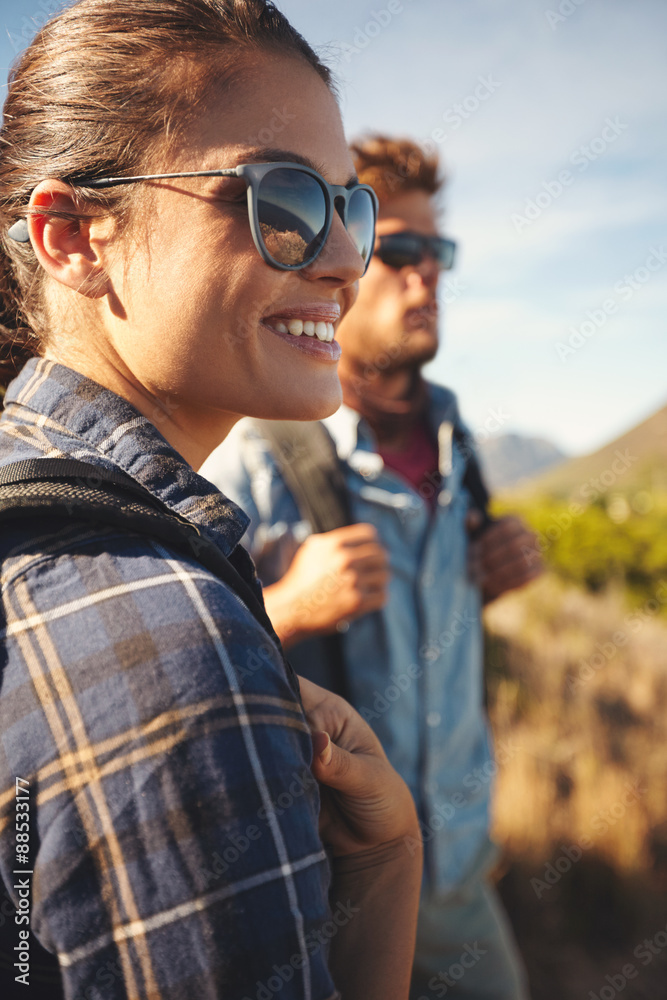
[161, 749]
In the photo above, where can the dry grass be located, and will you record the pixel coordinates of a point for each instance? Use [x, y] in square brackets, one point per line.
[577, 690]
[579, 684]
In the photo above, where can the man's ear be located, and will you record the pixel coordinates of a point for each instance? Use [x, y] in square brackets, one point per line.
[67, 248]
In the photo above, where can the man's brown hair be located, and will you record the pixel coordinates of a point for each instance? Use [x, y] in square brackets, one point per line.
[394, 166]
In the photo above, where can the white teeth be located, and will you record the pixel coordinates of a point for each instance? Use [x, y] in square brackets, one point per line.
[323, 331]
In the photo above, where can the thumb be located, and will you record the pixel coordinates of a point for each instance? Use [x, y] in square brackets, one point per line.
[336, 767]
[322, 747]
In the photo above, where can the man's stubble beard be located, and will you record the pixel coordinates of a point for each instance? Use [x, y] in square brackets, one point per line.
[412, 355]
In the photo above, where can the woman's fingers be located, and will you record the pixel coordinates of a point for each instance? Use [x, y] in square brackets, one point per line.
[351, 773]
[364, 801]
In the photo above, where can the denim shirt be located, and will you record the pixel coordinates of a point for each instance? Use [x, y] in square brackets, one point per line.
[414, 669]
[163, 755]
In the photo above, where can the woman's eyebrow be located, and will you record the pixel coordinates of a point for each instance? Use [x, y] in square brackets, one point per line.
[288, 156]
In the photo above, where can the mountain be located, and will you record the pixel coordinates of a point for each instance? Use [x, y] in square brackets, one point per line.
[507, 459]
[637, 460]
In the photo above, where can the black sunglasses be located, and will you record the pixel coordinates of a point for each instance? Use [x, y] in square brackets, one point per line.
[290, 208]
[407, 249]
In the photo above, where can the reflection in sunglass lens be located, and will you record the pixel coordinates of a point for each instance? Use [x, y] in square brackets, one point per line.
[361, 223]
[292, 214]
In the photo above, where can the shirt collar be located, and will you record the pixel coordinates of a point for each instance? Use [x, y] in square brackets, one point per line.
[67, 414]
[344, 427]
[351, 432]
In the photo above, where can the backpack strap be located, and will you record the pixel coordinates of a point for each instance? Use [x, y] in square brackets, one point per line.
[62, 487]
[308, 462]
[473, 480]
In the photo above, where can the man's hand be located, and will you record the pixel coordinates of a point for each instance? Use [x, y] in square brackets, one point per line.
[334, 577]
[365, 803]
[505, 556]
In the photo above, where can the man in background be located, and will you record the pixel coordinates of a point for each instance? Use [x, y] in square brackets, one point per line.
[402, 583]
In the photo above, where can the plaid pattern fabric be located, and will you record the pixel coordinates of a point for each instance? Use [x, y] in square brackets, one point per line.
[428, 637]
[173, 816]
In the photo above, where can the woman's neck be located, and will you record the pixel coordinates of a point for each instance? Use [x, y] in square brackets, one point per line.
[193, 433]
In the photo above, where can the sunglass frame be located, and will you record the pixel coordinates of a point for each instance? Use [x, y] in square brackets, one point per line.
[253, 174]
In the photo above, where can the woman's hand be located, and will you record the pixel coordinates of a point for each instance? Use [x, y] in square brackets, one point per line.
[367, 812]
[364, 801]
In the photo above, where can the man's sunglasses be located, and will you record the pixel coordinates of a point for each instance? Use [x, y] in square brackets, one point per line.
[290, 208]
[407, 249]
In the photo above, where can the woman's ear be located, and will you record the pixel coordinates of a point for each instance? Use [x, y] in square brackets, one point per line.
[67, 248]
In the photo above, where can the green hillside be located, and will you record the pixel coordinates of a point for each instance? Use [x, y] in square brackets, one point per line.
[635, 461]
[601, 519]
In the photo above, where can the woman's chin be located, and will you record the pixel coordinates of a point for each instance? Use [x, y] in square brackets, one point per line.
[319, 402]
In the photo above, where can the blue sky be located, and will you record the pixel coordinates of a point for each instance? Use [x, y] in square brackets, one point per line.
[556, 80]
[513, 93]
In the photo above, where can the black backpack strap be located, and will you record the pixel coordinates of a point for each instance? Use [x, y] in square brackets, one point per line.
[473, 480]
[308, 462]
[67, 488]
[68, 468]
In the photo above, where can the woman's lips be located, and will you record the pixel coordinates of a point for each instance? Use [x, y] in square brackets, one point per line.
[311, 328]
[327, 350]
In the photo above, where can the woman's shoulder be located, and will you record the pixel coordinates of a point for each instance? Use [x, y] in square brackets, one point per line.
[134, 598]
[154, 720]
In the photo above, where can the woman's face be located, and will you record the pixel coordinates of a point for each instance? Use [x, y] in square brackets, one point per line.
[194, 313]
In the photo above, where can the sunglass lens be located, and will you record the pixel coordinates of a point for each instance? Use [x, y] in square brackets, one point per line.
[400, 251]
[292, 215]
[446, 252]
[407, 250]
[361, 223]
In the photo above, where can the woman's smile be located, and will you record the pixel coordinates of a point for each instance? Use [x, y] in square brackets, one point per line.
[309, 328]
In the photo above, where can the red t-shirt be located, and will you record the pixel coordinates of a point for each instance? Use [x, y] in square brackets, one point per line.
[417, 462]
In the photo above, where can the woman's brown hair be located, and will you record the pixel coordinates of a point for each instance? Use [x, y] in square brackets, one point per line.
[102, 89]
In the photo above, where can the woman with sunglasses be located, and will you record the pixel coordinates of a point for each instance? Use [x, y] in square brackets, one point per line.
[182, 232]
